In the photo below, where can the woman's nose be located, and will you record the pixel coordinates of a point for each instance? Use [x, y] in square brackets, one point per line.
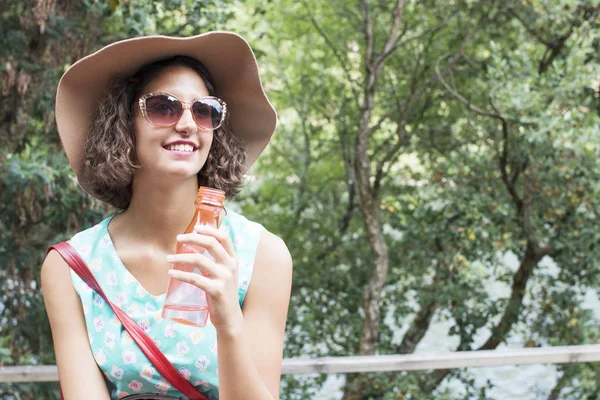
[186, 123]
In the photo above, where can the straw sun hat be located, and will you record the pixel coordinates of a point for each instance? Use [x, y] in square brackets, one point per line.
[226, 55]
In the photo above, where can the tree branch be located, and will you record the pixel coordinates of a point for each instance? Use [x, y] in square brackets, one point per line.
[503, 162]
[527, 26]
[343, 64]
[401, 141]
[588, 14]
[177, 31]
[555, 45]
[417, 329]
[560, 385]
[533, 254]
[416, 94]
[392, 153]
[368, 34]
[417, 72]
[394, 35]
[457, 95]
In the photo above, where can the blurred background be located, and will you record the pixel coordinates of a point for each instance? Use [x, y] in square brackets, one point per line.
[435, 174]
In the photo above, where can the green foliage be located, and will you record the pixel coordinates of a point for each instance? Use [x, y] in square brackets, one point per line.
[447, 212]
[40, 200]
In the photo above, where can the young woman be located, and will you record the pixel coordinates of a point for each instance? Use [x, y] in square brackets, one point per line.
[132, 120]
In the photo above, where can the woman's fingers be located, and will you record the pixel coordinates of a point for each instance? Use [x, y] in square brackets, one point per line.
[210, 243]
[204, 264]
[212, 287]
[217, 242]
[222, 237]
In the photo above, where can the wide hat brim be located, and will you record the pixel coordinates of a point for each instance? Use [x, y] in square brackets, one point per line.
[226, 55]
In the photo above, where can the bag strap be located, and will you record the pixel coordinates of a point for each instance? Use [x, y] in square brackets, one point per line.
[146, 344]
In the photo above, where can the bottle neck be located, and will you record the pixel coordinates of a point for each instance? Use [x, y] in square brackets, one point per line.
[209, 206]
[210, 196]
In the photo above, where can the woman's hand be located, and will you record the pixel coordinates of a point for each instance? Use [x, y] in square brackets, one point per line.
[220, 279]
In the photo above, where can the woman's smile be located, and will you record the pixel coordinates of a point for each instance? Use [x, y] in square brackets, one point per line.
[181, 148]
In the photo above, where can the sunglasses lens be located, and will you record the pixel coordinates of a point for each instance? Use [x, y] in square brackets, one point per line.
[163, 110]
[208, 113]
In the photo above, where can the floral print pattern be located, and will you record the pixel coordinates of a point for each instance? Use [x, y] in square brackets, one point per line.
[192, 350]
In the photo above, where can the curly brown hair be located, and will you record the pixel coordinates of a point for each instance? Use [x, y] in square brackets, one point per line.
[109, 152]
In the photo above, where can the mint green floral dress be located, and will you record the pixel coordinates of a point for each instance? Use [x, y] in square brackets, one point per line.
[192, 350]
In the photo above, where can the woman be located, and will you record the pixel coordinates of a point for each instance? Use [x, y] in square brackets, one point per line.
[129, 120]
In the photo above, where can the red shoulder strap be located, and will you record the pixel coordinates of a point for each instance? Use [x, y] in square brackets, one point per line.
[146, 344]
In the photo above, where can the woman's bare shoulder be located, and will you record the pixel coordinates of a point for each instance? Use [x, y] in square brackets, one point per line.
[55, 275]
[273, 259]
[273, 246]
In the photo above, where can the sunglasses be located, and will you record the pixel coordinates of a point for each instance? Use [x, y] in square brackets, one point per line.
[163, 110]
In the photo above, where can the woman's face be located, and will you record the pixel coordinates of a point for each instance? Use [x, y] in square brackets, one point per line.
[165, 150]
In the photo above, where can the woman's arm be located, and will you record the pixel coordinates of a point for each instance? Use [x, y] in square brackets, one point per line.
[80, 377]
[250, 360]
[250, 342]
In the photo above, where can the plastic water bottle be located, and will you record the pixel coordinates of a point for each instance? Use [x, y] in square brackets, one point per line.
[184, 302]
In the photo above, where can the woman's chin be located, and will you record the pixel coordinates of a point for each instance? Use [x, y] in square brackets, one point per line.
[173, 173]
[182, 174]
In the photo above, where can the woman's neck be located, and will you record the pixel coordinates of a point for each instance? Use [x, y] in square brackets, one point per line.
[159, 211]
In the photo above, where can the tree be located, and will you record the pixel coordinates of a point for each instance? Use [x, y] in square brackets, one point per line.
[464, 130]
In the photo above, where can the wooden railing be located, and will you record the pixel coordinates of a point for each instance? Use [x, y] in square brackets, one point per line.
[404, 362]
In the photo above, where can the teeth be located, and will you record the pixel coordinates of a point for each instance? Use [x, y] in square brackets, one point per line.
[180, 147]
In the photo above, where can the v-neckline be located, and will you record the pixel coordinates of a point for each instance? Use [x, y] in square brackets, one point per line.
[113, 249]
